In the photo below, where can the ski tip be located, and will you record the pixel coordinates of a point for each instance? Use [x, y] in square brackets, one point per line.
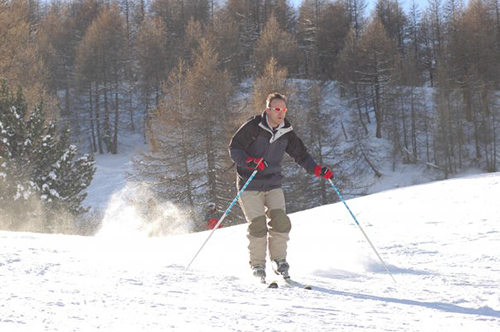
[273, 284]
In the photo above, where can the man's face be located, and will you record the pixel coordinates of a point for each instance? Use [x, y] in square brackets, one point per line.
[276, 118]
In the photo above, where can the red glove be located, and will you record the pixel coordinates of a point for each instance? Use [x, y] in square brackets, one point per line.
[256, 163]
[323, 171]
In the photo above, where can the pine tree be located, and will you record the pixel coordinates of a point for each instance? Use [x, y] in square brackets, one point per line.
[38, 178]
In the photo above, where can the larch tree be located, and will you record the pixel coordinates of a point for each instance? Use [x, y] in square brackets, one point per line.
[308, 32]
[100, 68]
[278, 44]
[393, 18]
[210, 102]
[21, 63]
[167, 165]
[377, 58]
[153, 63]
[356, 10]
[334, 25]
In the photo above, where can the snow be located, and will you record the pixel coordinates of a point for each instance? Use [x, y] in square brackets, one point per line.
[440, 240]
[111, 173]
[54, 193]
[21, 192]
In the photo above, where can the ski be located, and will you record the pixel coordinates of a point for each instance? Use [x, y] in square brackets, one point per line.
[290, 282]
[297, 284]
[286, 278]
[273, 284]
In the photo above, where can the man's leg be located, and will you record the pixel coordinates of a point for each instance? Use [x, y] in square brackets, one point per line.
[279, 224]
[252, 204]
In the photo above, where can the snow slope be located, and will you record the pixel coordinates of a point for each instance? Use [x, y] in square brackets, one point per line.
[111, 172]
[440, 240]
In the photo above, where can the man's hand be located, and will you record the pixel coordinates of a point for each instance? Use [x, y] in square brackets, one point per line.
[323, 172]
[256, 163]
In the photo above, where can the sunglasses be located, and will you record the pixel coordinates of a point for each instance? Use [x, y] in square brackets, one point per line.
[277, 109]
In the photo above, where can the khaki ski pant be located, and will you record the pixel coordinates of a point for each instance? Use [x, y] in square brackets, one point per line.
[268, 224]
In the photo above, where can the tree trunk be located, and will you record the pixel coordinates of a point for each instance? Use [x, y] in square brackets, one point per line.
[115, 133]
[378, 111]
[98, 119]
[358, 105]
[209, 151]
[92, 131]
[413, 119]
[107, 125]
[403, 118]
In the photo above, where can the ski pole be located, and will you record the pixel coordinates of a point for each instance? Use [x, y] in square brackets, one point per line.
[223, 217]
[361, 228]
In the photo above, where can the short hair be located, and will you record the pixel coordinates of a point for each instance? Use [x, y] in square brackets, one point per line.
[274, 95]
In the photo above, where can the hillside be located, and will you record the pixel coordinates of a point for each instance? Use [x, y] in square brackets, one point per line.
[440, 240]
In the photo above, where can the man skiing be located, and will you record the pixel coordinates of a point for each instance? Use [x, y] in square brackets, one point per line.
[260, 144]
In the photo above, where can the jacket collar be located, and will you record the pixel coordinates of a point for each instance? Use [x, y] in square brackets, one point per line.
[276, 133]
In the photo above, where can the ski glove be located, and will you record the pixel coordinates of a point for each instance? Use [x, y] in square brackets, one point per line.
[323, 171]
[256, 163]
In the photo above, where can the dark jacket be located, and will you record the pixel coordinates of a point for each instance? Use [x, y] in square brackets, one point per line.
[256, 139]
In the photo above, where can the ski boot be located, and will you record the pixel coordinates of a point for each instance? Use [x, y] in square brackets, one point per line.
[281, 267]
[259, 271]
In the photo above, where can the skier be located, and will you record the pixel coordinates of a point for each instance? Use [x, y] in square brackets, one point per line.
[260, 144]
[212, 216]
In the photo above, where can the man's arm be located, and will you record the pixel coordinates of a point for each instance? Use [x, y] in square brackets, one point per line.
[297, 150]
[240, 142]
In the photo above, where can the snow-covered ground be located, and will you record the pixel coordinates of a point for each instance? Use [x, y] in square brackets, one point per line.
[440, 240]
[111, 172]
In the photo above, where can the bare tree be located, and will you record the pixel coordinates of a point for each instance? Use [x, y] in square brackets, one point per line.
[356, 10]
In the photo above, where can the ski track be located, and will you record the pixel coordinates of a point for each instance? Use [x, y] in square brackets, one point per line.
[71, 295]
